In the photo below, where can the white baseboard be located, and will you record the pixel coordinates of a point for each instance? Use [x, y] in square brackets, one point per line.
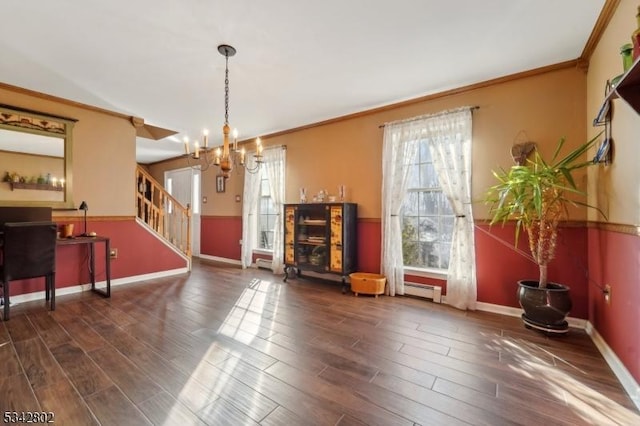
[626, 379]
[220, 259]
[517, 312]
[145, 277]
[499, 309]
[39, 295]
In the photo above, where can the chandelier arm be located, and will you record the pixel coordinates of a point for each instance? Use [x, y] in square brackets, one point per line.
[258, 162]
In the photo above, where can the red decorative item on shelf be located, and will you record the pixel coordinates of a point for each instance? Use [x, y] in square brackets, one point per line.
[635, 38]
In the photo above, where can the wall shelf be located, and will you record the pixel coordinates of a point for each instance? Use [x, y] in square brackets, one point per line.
[36, 186]
[628, 88]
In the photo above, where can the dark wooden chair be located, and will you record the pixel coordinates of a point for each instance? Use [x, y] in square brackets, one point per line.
[28, 251]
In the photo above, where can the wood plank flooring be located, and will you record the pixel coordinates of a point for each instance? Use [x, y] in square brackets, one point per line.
[223, 346]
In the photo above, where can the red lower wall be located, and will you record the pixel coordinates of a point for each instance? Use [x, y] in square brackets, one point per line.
[369, 245]
[139, 253]
[614, 259]
[499, 266]
[220, 236]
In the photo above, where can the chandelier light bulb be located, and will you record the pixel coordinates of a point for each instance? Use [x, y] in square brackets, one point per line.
[234, 133]
[242, 152]
[186, 145]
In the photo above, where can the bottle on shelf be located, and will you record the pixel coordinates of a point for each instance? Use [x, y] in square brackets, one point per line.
[626, 51]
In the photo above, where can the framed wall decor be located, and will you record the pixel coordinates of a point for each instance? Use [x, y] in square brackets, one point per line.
[220, 183]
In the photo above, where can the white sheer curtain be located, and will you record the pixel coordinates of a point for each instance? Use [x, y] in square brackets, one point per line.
[274, 159]
[399, 148]
[251, 194]
[449, 137]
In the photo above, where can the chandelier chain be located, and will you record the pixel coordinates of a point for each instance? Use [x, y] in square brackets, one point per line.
[226, 90]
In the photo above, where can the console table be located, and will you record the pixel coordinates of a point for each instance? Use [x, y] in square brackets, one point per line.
[91, 242]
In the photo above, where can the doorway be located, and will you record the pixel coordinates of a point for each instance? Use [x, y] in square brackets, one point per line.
[185, 186]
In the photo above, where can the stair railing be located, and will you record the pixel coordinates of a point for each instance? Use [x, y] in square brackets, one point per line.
[161, 212]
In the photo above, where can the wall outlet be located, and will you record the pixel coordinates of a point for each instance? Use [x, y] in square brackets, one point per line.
[240, 242]
[113, 253]
[607, 293]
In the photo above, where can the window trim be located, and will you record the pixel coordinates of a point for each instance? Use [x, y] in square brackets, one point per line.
[439, 274]
[258, 250]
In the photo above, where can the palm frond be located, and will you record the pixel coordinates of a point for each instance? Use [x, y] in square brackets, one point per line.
[536, 193]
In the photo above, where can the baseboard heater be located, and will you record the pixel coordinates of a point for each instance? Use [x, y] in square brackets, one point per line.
[263, 263]
[427, 291]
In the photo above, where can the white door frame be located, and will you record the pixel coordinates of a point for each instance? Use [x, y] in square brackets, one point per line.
[193, 187]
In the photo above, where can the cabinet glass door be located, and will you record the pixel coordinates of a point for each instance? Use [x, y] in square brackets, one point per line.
[336, 239]
[289, 234]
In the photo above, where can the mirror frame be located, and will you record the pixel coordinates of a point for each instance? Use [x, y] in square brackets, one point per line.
[27, 121]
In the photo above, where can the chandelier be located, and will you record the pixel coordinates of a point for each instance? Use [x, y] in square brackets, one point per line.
[229, 155]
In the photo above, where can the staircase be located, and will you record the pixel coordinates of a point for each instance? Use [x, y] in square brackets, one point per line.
[162, 213]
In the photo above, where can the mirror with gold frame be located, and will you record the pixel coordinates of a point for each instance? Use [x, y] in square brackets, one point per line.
[35, 159]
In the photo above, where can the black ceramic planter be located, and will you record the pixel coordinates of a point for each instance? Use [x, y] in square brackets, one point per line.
[544, 308]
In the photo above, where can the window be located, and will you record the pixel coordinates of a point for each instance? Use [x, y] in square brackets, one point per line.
[427, 218]
[266, 214]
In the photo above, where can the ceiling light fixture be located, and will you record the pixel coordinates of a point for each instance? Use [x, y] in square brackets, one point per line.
[229, 155]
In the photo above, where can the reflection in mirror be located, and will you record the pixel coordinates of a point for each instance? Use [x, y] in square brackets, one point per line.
[31, 162]
[35, 159]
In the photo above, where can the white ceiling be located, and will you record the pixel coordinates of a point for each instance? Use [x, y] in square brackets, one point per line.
[298, 62]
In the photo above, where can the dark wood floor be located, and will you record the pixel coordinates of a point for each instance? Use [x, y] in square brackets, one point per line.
[226, 346]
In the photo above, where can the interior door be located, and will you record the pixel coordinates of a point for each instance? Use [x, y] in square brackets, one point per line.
[184, 186]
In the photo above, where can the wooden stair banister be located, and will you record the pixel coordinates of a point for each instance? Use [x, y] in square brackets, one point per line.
[161, 212]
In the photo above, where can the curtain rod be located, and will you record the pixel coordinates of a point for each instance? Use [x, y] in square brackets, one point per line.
[435, 114]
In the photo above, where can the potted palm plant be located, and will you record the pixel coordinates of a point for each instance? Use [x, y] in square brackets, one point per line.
[537, 196]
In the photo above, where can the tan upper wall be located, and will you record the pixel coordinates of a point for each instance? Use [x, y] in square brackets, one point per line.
[615, 188]
[545, 106]
[104, 154]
